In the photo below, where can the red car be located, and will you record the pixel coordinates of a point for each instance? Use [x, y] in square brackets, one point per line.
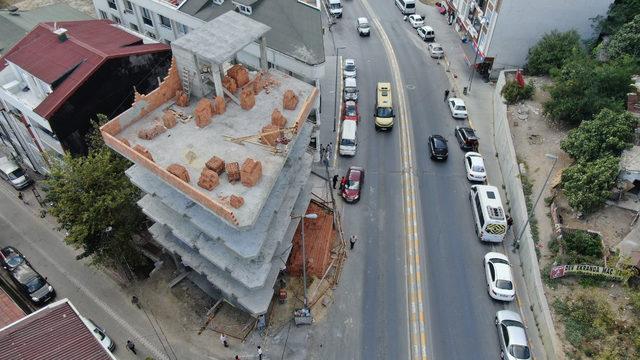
[350, 111]
[355, 179]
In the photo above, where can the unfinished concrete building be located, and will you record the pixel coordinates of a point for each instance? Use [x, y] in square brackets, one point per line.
[221, 152]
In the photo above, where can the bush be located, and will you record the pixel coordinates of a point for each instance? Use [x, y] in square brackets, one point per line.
[587, 319]
[582, 243]
[513, 93]
[607, 134]
[626, 41]
[552, 51]
[588, 185]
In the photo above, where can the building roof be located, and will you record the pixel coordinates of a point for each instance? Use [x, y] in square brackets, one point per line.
[296, 26]
[631, 159]
[65, 65]
[53, 332]
[221, 38]
[9, 310]
[14, 27]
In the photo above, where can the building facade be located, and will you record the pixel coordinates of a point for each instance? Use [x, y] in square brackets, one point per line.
[61, 76]
[497, 34]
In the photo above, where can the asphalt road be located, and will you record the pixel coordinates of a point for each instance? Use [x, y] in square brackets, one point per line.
[459, 311]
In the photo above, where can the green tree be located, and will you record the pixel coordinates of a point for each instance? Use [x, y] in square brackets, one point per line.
[608, 133]
[626, 41]
[587, 185]
[95, 203]
[584, 86]
[553, 51]
[620, 13]
[512, 92]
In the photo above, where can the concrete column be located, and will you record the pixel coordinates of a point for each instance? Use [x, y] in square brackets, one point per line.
[264, 64]
[217, 75]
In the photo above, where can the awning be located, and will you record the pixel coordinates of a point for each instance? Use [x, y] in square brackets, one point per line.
[469, 49]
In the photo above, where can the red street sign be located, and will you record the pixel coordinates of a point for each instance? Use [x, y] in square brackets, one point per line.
[557, 272]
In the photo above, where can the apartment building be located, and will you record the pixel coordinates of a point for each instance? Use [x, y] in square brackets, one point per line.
[61, 75]
[497, 34]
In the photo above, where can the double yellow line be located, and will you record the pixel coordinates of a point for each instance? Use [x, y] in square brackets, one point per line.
[413, 269]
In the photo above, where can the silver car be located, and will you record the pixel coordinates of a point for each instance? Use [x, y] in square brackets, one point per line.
[435, 50]
[349, 68]
[512, 336]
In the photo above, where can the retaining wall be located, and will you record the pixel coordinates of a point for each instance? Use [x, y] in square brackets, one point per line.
[528, 259]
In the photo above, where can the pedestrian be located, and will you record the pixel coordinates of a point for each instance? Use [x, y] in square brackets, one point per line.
[509, 221]
[223, 340]
[446, 95]
[343, 183]
[322, 151]
[335, 180]
[131, 346]
[352, 241]
[329, 149]
[236, 358]
[259, 353]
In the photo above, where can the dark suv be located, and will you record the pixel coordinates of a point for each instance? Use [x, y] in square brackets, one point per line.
[438, 147]
[32, 284]
[466, 138]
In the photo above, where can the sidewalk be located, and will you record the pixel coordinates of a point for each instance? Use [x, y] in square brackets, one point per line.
[479, 102]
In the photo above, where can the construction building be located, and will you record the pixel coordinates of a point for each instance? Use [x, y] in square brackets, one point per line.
[221, 150]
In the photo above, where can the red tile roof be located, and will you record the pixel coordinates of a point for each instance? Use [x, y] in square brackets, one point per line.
[9, 310]
[53, 332]
[89, 44]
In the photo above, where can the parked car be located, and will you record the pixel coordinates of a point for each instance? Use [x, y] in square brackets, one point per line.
[362, 24]
[512, 336]
[350, 111]
[416, 20]
[457, 108]
[350, 89]
[438, 147]
[467, 138]
[32, 284]
[426, 33]
[349, 69]
[10, 258]
[353, 187]
[14, 174]
[474, 164]
[435, 50]
[499, 278]
[100, 334]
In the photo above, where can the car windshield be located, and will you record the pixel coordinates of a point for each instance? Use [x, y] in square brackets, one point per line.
[410, 6]
[350, 67]
[14, 260]
[350, 110]
[350, 89]
[384, 112]
[99, 334]
[15, 174]
[353, 185]
[499, 261]
[478, 168]
[34, 284]
[336, 6]
[519, 351]
[347, 142]
[504, 285]
[364, 25]
[461, 107]
[437, 48]
[439, 144]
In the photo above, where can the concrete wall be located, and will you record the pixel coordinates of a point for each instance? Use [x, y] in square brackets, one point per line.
[511, 178]
[521, 23]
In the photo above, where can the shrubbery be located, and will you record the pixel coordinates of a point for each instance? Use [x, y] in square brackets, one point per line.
[552, 51]
[588, 185]
[582, 247]
[513, 92]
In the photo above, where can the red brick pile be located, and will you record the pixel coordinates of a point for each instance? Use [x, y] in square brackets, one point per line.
[251, 172]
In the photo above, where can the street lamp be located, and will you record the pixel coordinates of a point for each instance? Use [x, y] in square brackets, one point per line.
[335, 107]
[553, 157]
[304, 254]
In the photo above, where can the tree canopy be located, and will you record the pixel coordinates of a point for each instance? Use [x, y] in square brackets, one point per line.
[553, 51]
[626, 41]
[587, 185]
[95, 203]
[620, 13]
[608, 133]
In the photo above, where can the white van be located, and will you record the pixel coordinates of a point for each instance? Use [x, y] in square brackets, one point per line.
[335, 8]
[488, 213]
[348, 143]
[11, 172]
[406, 7]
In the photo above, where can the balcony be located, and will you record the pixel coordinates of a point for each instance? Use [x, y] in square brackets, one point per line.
[17, 91]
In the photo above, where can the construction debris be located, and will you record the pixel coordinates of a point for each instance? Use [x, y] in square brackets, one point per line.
[150, 133]
[179, 171]
[278, 119]
[247, 98]
[236, 201]
[208, 179]
[240, 74]
[229, 84]
[233, 171]
[203, 113]
[269, 134]
[181, 99]
[143, 151]
[290, 100]
[251, 172]
[215, 164]
[219, 106]
[169, 119]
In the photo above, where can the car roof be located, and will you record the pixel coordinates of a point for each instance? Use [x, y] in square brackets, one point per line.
[426, 28]
[350, 103]
[363, 20]
[24, 273]
[350, 61]
[467, 130]
[476, 160]
[457, 101]
[415, 15]
[439, 140]
[350, 81]
[517, 336]
[435, 44]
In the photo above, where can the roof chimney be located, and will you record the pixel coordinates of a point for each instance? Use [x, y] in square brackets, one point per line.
[61, 32]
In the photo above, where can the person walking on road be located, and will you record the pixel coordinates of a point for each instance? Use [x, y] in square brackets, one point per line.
[335, 180]
[446, 95]
[343, 183]
[131, 346]
[223, 340]
[329, 150]
[352, 241]
[259, 353]
[322, 151]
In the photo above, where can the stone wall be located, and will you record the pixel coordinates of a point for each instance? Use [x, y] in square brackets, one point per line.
[528, 258]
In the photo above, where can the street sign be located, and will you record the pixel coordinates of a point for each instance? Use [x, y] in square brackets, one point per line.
[557, 272]
[613, 274]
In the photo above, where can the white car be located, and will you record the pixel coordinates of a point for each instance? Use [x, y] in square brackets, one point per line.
[99, 334]
[474, 164]
[349, 68]
[426, 33]
[499, 278]
[416, 20]
[362, 24]
[435, 50]
[457, 108]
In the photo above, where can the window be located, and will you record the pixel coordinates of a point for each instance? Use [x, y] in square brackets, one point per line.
[146, 17]
[134, 27]
[479, 210]
[103, 15]
[128, 6]
[182, 28]
[116, 19]
[112, 4]
[165, 22]
[505, 334]
[151, 35]
[243, 9]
